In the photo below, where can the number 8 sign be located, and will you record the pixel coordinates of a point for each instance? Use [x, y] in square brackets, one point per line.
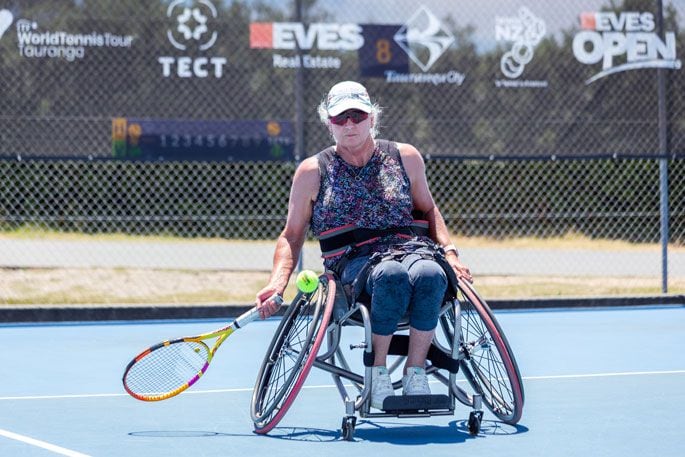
[380, 52]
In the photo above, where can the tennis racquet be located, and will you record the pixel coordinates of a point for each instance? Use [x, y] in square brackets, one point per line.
[170, 367]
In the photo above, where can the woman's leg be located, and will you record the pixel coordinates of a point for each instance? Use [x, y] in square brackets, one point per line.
[388, 285]
[429, 283]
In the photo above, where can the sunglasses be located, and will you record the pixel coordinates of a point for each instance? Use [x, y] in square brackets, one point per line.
[356, 116]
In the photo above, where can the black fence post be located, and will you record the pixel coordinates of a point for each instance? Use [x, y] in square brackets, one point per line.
[663, 153]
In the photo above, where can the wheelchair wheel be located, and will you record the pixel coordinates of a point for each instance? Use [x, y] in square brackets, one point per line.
[291, 355]
[489, 364]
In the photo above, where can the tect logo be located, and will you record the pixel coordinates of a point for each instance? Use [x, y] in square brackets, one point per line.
[192, 29]
[191, 25]
[424, 38]
[630, 36]
[6, 19]
[525, 31]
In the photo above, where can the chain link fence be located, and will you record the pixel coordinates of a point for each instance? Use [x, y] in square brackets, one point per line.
[131, 133]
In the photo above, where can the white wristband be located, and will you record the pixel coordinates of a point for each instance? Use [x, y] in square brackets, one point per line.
[451, 247]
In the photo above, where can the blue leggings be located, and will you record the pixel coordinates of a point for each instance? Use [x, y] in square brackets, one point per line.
[414, 284]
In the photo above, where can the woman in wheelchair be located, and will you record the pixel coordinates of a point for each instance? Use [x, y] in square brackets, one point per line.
[359, 197]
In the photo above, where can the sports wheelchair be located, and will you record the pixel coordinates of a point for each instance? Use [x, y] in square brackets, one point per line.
[468, 339]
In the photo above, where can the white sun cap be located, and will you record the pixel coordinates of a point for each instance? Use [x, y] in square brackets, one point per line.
[347, 95]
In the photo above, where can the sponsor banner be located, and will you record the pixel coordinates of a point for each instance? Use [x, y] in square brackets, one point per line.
[192, 140]
[383, 50]
[308, 39]
[306, 61]
[423, 39]
[522, 33]
[623, 41]
[381, 53]
[36, 42]
[512, 80]
[6, 19]
[192, 32]
[295, 35]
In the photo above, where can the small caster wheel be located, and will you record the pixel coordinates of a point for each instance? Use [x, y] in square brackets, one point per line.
[348, 424]
[475, 419]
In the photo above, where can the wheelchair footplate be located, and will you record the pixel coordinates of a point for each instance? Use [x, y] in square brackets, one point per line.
[421, 405]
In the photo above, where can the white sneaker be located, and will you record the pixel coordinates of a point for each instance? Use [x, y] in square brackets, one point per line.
[381, 386]
[415, 382]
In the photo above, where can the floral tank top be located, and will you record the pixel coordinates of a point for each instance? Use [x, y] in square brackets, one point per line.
[375, 196]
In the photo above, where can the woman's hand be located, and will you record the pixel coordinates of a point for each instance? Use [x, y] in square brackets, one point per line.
[462, 271]
[266, 302]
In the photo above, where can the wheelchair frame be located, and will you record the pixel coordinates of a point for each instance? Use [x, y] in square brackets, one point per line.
[479, 350]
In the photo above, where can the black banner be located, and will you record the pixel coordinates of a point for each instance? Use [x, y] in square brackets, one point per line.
[456, 79]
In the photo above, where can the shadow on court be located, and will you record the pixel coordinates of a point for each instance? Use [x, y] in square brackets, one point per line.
[183, 434]
[402, 434]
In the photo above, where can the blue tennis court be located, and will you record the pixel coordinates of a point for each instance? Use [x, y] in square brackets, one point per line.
[597, 382]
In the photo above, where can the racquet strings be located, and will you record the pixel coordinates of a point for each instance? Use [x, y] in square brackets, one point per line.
[167, 368]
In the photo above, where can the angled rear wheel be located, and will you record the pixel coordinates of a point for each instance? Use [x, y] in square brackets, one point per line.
[291, 355]
[489, 366]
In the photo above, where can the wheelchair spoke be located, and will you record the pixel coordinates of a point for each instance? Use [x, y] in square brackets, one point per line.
[489, 369]
[486, 358]
[291, 355]
[285, 364]
[492, 375]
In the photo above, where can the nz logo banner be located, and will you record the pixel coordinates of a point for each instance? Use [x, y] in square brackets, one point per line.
[525, 31]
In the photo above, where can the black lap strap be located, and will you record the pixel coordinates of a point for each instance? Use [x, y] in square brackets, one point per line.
[336, 241]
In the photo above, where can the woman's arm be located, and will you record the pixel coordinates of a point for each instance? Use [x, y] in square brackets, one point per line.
[303, 192]
[423, 201]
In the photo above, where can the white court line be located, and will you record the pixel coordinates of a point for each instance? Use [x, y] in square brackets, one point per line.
[330, 386]
[51, 397]
[41, 444]
[604, 375]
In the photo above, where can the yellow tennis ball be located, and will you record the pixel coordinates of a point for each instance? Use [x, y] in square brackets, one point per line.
[307, 281]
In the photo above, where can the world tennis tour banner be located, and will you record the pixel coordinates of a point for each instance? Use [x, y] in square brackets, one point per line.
[208, 80]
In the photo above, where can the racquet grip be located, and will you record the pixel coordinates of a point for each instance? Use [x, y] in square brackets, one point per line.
[253, 313]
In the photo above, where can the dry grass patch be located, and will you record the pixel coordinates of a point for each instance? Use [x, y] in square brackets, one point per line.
[130, 286]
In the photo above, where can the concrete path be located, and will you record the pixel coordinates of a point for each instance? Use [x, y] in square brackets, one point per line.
[257, 256]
